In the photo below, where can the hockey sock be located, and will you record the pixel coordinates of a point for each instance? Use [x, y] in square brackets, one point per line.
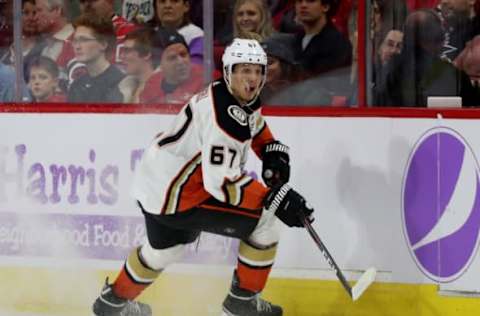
[134, 277]
[254, 265]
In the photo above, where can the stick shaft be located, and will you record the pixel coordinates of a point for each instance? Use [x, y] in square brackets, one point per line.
[326, 254]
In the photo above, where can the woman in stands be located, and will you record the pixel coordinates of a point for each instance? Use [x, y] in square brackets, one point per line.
[252, 16]
[175, 15]
[251, 19]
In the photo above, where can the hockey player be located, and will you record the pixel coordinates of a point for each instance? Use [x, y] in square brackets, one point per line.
[192, 179]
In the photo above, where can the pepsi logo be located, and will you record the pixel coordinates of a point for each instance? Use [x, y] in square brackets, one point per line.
[441, 204]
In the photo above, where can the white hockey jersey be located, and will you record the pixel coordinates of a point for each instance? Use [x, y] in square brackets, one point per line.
[203, 154]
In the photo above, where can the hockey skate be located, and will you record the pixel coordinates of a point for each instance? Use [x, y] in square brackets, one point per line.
[108, 304]
[240, 302]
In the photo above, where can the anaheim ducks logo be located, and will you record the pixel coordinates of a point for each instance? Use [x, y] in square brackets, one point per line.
[238, 114]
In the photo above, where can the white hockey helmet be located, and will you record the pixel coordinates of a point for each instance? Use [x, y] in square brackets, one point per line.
[243, 51]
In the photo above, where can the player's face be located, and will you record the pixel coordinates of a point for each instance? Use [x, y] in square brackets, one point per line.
[171, 12]
[274, 69]
[391, 45]
[86, 46]
[248, 17]
[42, 83]
[29, 19]
[175, 64]
[310, 11]
[131, 58]
[246, 80]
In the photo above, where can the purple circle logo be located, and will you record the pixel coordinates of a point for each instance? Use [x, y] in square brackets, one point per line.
[441, 204]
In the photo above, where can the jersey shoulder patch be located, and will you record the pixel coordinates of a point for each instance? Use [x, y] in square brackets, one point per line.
[230, 116]
[238, 114]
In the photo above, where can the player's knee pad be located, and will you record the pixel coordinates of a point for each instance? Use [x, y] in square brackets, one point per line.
[159, 259]
[267, 232]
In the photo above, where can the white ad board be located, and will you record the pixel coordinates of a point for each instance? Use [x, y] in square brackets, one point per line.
[402, 195]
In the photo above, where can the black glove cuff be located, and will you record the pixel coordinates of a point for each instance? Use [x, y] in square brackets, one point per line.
[277, 197]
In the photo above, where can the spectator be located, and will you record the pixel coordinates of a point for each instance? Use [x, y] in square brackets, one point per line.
[280, 73]
[174, 15]
[43, 83]
[322, 52]
[419, 72]
[459, 24]
[94, 37]
[105, 9]
[30, 44]
[179, 78]
[7, 85]
[469, 62]
[251, 16]
[387, 15]
[320, 47]
[56, 31]
[140, 60]
[390, 45]
[287, 21]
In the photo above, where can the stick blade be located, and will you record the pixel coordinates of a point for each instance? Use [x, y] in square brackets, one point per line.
[363, 283]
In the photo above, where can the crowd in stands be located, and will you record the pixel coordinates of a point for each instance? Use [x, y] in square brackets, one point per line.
[151, 51]
[425, 49]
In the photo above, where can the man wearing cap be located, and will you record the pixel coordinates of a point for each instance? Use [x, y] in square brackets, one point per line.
[178, 78]
[192, 179]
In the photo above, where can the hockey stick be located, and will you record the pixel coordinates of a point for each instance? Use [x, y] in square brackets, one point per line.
[362, 284]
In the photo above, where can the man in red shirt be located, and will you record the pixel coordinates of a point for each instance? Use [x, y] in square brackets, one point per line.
[177, 79]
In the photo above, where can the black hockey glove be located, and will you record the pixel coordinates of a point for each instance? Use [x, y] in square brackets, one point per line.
[276, 167]
[288, 205]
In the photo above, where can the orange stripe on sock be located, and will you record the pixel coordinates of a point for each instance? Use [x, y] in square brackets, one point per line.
[252, 279]
[125, 287]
